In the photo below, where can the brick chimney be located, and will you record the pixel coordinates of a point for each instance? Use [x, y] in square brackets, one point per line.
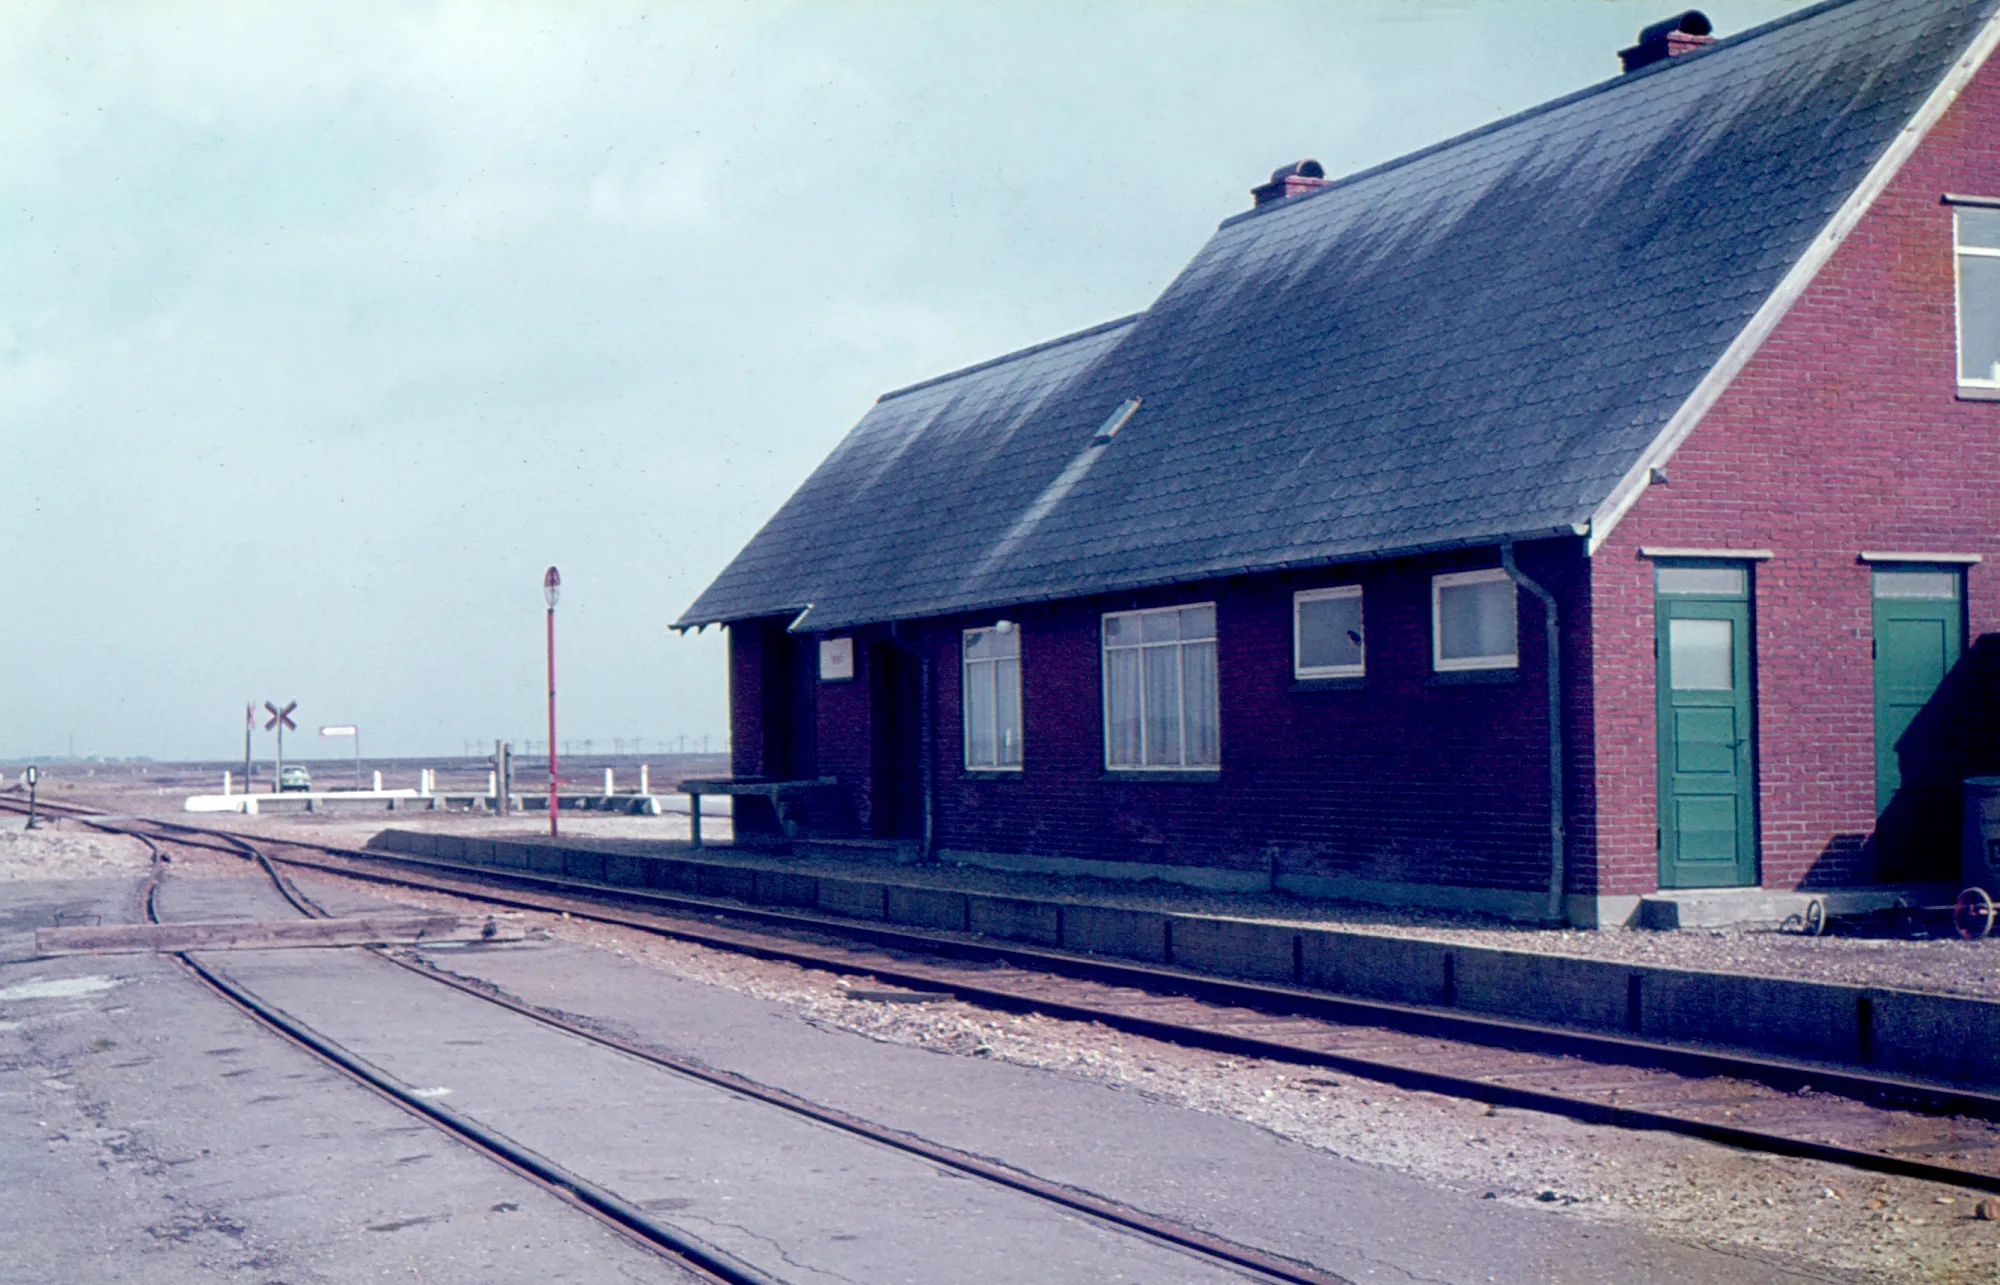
[1681, 34]
[1290, 180]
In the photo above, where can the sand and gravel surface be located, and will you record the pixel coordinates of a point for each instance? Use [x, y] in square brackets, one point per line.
[1879, 1228]
[1852, 1224]
[1937, 964]
[1942, 965]
[65, 850]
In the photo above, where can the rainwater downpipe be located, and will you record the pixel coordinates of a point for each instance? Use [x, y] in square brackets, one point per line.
[925, 751]
[1553, 649]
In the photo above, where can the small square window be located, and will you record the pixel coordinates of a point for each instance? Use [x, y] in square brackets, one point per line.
[1977, 242]
[1326, 633]
[1473, 621]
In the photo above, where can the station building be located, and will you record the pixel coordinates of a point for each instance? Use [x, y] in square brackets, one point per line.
[1589, 505]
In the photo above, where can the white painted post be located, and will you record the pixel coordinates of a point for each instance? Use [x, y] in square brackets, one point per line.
[378, 781]
[225, 785]
[493, 784]
[645, 778]
[608, 790]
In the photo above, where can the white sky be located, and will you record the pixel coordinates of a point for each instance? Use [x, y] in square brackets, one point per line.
[323, 329]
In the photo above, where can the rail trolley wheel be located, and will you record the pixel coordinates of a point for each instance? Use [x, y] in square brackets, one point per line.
[1814, 920]
[1973, 914]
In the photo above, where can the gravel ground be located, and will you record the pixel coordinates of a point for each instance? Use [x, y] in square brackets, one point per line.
[1941, 965]
[56, 850]
[1885, 1229]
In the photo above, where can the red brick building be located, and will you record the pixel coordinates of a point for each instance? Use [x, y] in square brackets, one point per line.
[1696, 371]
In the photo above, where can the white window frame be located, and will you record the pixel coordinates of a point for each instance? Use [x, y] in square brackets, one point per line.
[1104, 650]
[1302, 670]
[970, 671]
[1959, 253]
[1439, 583]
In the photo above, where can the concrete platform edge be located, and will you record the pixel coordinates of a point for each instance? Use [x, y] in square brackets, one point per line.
[1936, 1038]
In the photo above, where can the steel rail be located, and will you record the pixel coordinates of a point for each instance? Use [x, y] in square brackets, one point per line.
[687, 1251]
[1083, 1202]
[1264, 1265]
[1495, 1032]
[1411, 1078]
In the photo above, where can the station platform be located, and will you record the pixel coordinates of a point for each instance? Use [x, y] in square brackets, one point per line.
[1542, 977]
[433, 800]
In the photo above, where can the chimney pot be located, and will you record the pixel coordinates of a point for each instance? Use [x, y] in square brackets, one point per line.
[1681, 34]
[1290, 180]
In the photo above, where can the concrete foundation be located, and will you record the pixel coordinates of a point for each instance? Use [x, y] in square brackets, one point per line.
[1934, 1038]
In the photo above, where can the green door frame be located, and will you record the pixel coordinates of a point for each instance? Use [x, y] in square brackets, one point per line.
[1706, 715]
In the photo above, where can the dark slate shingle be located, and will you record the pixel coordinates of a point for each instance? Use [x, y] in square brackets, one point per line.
[1474, 342]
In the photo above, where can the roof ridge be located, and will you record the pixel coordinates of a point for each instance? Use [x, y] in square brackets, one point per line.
[1016, 355]
[1539, 109]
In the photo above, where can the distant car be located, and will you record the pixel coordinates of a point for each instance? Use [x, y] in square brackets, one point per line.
[294, 778]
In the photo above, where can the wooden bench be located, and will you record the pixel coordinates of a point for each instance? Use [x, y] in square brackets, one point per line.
[783, 795]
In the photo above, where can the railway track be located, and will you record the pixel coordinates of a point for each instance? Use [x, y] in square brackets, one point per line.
[688, 1251]
[1872, 1123]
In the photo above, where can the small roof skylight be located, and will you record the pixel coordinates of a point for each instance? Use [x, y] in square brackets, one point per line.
[1109, 429]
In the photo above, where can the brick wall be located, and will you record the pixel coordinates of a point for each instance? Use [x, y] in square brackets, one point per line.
[1404, 779]
[845, 748]
[1843, 433]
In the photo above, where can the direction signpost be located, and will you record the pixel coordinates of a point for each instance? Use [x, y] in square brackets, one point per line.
[280, 719]
[348, 729]
[249, 726]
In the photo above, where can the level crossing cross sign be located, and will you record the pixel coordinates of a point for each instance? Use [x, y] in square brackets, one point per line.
[280, 719]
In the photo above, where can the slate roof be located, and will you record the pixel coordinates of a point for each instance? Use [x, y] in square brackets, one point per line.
[1474, 342]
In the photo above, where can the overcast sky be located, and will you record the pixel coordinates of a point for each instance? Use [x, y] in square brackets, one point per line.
[324, 329]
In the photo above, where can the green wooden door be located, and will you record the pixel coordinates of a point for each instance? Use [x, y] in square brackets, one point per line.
[1707, 751]
[1919, 634]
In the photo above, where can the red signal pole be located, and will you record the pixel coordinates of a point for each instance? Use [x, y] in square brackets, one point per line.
[551, 590]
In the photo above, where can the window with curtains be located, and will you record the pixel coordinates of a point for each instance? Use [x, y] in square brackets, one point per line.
[993, 698]
[1160, 701]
